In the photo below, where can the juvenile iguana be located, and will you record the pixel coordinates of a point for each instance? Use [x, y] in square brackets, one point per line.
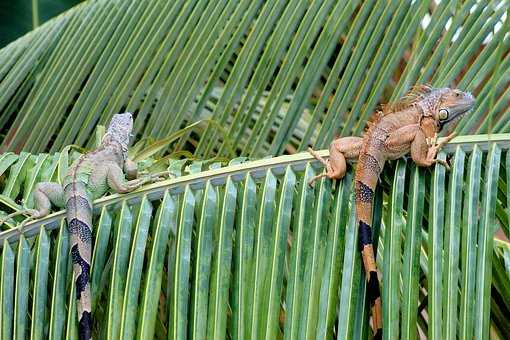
[409, 126]
[88, 178]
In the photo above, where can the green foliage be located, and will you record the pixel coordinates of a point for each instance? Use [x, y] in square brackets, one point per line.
[252, 249]
[277, 75]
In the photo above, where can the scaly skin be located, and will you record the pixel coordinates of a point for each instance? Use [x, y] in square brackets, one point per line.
[88, 178]
[410, 126]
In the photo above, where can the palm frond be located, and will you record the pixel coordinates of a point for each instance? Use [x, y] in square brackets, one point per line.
[251, 248]
[279, 75]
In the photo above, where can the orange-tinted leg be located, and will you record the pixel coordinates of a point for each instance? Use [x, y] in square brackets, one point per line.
[340, 150]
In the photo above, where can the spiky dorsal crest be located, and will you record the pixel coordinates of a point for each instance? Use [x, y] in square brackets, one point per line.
[373, 120]
[417, 93]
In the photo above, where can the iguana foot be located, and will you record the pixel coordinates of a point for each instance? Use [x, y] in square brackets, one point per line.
[147, 178]
[435, 147]
[31, 213]
[317, 156]
[21, 226]
[160, 176]
[315, 178]
[448, 138]
[334, 170]
[328, 172]
[443, 163]
[433, 143]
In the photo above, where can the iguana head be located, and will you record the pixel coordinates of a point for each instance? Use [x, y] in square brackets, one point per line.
[445, 105]
[120, 129]
[452, 105]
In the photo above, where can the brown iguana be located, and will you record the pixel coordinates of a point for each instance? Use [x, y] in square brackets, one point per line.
[408, 126]
[88, 178]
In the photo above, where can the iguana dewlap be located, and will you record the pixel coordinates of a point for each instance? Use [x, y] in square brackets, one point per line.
[409, 126]
[88, 178]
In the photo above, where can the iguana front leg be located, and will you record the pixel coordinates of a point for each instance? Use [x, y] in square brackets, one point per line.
[340, 150]
[118, 182]
[433, 148]
[423, 149]
[131, 169]
[424, 154]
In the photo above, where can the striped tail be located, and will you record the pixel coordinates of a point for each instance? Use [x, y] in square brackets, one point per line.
[364, 188]
[79, 223]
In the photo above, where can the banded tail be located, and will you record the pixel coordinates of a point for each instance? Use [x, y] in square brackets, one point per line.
[79, 223]
[367, 174]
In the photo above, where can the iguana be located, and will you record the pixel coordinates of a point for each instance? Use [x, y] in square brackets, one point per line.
[408, 126]
[88, 178]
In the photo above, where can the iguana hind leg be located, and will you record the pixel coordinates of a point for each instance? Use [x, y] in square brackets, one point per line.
[340, 150]
[45, 194]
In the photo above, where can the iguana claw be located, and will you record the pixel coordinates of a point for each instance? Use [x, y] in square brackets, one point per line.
[318, 157]
[21, 226]
[32, 214]
[325, 162]
[314, 178]
[443, 163]
[159, 176]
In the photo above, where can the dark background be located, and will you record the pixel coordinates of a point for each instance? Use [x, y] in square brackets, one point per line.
[16, 16]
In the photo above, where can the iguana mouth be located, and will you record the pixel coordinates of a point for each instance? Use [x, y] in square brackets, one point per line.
[461, 108]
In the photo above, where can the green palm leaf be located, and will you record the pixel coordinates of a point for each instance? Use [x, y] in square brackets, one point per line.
[279, 75]
[251, 248]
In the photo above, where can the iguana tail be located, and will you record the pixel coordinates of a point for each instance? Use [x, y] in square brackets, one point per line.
[367, 174]
[79, 222]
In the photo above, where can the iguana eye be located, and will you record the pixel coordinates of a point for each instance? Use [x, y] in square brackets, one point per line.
[443, 114]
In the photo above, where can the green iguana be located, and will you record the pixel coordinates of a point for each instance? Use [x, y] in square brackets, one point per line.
[408, 126]
[88, 178]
